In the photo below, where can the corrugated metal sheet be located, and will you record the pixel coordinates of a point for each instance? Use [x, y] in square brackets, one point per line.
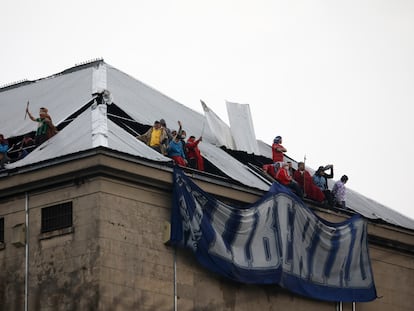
[64, 94]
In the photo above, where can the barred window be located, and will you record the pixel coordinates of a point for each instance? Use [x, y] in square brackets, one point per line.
[56, 217]
[1, 230]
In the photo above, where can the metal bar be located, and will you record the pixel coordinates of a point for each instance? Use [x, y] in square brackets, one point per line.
[26, 275]
[175, 278]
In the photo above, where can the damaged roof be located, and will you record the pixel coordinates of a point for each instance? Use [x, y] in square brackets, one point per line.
[71, 98]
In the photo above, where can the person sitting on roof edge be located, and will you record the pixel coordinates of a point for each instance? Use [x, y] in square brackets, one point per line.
[175, 151]
[291, 170]
[304, 179]
[320, 178]
[283, 177]
[195, 160]
[45, 127]
[155, 137]
[26, 143]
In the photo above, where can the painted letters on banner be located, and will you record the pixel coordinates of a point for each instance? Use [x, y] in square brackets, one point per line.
[277, 240]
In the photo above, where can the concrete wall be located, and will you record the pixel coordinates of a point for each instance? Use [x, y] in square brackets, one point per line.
[137, 268]
[63, 269]
[116, 259]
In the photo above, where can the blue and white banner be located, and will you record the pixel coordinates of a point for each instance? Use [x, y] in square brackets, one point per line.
[277, 240]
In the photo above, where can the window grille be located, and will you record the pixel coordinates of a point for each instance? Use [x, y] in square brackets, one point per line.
[1, 230]
[56, 217]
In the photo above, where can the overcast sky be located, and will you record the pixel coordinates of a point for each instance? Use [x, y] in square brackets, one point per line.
[333, 78]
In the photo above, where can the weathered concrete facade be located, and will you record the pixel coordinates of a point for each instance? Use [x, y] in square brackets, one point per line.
[114, 256]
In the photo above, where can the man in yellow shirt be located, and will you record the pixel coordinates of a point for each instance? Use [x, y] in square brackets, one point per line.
[155, 137]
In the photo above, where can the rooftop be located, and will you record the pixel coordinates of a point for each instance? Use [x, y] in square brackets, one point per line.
[95, 105]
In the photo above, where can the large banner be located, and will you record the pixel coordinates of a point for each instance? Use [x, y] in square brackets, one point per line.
[277, 240]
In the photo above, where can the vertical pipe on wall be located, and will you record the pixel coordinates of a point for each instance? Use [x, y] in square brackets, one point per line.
[175, 278]
[339, 306]
[26, 274]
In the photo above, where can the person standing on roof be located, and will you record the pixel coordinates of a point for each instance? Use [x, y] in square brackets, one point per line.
[338, 191]
[195, 160]
[155, 137]
[278, 150]
[172, 133]
[182, 138]
[45, 127]
[167, 130]
[175, 151]
[320, 178]
[4, 147]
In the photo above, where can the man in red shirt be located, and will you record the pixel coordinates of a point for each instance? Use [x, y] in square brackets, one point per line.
[278, 150]
[195, 160]
[283, 177]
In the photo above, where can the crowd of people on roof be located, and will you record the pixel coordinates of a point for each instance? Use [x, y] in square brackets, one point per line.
[171, 143]
[302, 183]
[159, 137]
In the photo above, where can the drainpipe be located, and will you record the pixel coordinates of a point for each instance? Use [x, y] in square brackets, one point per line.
[26, 275]
[175, 278]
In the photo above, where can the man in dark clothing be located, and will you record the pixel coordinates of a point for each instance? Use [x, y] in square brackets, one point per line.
[320, 178]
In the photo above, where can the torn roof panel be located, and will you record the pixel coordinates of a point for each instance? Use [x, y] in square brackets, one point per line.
[241, 126]
[145, 105]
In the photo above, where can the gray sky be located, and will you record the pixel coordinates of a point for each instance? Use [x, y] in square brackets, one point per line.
[335, 79]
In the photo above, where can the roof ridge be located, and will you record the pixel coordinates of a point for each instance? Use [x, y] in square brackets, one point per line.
[86, 64]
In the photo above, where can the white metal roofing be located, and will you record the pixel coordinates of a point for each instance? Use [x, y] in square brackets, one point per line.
[64, 94]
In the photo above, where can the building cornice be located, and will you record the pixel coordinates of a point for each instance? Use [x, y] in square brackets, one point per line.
[77, 168]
